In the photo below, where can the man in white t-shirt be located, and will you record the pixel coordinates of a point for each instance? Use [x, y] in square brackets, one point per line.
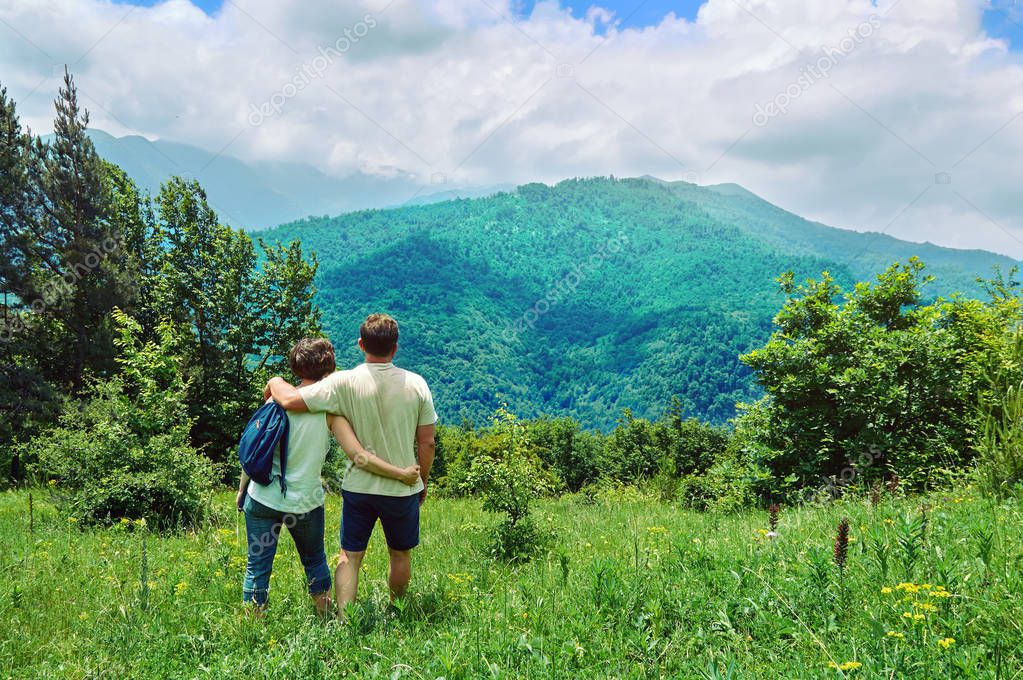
[391, 411]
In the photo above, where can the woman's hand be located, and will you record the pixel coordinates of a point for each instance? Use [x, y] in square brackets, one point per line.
[239, 500]
[410, 475]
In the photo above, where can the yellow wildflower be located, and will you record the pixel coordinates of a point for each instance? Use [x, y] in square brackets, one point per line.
[886, 590]
[945, 643]
[845, 666]
[180, 588]
[896, 634]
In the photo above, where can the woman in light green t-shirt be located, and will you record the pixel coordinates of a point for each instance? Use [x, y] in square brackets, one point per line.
[267, 508]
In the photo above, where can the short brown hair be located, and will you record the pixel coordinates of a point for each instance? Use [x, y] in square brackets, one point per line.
[379, 334]
[312, 358]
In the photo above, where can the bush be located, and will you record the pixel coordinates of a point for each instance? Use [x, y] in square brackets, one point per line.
[1000, 415]
[572, 453]
[124, 451]
[509, 474]
[632, 450]
[665, 483]
[519, 540]
[876, 383]
[728, 485]
[607, 491]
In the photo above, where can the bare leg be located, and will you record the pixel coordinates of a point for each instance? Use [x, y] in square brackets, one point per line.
[255, 611]
[399, 573]
[322, 602]
[346, 578]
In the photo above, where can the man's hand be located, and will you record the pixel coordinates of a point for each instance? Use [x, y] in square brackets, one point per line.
[243, 487]
[426, 448]
[410, 475]
[285, 394]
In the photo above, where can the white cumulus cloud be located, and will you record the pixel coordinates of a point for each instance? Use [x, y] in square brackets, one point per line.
[902, 117]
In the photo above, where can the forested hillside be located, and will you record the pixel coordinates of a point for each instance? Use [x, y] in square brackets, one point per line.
[591, 296]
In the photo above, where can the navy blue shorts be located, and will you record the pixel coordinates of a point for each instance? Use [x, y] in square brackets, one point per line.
[398, 515]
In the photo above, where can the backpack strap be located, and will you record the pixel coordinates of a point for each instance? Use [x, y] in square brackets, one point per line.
[283, 450]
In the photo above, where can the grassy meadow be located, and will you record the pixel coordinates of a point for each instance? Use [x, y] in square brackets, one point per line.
[630, 588]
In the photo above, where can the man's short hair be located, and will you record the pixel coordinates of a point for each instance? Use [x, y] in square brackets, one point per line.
[312, 358]
[379, 334]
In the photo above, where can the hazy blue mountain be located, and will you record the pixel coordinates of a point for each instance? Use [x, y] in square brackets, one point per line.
[260, 195]
[453, 194]
[520, 298]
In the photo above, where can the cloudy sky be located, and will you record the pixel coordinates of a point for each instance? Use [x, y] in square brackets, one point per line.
[902, 116]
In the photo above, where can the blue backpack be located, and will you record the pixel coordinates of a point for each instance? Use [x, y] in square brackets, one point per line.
[267, 429]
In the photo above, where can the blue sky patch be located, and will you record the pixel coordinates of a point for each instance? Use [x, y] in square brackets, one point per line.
[1004, 20]
[629, 13]
[208, 6]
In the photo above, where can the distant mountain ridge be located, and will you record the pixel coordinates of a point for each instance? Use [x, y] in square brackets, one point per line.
[521, 298]
[263, 194]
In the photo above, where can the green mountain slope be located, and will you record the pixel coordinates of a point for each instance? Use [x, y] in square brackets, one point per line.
[590, 296]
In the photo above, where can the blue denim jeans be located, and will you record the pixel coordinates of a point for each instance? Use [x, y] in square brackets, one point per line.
[263, 528]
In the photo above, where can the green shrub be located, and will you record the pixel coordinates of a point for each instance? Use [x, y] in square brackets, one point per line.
[568, 450]
[632, 450]
[509, 475]
[456, 447]
[607, 491]
[873, 382]
[728, 485]
[124, 451]
[693, 445]
[1001, 462]
[1000, 415]
[665, 484]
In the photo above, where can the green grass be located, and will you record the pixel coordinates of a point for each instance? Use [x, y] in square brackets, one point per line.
[631, 588]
